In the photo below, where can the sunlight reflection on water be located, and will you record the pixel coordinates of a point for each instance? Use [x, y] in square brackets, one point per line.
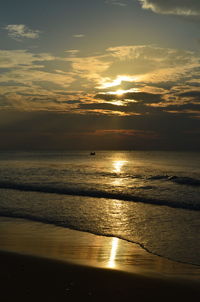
[118, 165]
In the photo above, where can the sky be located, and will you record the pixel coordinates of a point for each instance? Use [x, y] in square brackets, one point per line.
[100, 74]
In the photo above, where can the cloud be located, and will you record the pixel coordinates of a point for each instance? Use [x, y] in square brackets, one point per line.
[102, 106]
[142, 103]
[127, 132]
[136, 96]
[106, 108]
[79, 36]
[188, 109]
[175, 7]
[128, 67]
[21, 31]
[22, 59]
[118, 3]
[152, 79]
[193, 94]
[160, 56]
[42, 130]
[126, 108]
[24, 76]
[72, 52]
[149, 63]
[89, 68]
[134, 66]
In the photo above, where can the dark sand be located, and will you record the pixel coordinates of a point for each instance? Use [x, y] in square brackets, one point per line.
[26, 278]
[45, 263]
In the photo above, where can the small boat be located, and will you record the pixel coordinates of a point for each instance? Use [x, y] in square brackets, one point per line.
[92, 153]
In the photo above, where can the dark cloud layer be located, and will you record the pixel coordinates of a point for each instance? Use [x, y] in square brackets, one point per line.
[43, 130]
[130, 108]
[142, 108]
[138, 96]
[188, 106]
[191, 94]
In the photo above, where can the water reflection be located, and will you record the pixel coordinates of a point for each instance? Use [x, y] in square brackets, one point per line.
[113, 253]
[118, 164]
[21, 236]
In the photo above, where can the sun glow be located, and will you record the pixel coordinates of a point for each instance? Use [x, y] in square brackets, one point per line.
[118, 103]
[120, 92]
[107, 83]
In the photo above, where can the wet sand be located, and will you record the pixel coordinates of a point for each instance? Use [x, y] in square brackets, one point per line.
[41, 262]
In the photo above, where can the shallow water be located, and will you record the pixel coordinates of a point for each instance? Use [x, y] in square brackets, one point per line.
[46, 240]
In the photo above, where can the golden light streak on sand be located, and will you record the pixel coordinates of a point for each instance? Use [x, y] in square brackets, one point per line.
[113, 253]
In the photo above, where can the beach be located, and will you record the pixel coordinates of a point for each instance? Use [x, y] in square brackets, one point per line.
[100, 151]
[41, 262]
[28, 278]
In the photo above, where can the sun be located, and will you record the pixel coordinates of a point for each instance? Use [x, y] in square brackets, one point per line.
[120, 92]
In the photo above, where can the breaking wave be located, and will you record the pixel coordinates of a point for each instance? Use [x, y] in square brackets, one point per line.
[182, 180]
[109, 194]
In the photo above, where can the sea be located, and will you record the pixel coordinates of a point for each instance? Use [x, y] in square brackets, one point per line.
[148, 198]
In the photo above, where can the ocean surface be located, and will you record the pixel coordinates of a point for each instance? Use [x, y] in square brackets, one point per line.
[149, 198]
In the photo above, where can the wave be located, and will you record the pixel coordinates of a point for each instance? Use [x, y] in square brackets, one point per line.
[98, 194]
[182, 180]
[185, 181]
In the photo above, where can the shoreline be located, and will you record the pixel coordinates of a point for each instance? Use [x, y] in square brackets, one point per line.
[44, 240]
[46, 262]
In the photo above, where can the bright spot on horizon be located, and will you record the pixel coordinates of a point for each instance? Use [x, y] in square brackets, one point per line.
[113, 253]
